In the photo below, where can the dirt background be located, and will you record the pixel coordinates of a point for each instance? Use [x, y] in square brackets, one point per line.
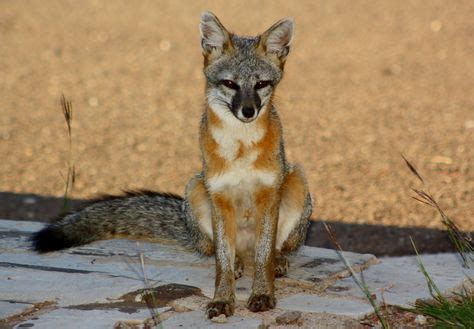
[365, 81]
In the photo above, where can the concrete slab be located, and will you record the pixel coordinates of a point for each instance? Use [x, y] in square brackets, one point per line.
[8, 309]
[197, 319]
[33, 286]
[322, 267]
[399, 281]
[80, 319]
[120, 259]
[20, 226]
[322, 304]
[86, 283]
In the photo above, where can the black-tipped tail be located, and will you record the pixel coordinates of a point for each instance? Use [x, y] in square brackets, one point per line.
[51, 238]
[136, 215]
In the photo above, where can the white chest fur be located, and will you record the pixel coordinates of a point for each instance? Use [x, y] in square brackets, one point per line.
[233, 133]
[241, 173]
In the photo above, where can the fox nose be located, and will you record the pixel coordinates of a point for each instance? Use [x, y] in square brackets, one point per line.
[248, 112]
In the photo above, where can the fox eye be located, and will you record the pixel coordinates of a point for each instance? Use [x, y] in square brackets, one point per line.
[262, 84]
[230, 84]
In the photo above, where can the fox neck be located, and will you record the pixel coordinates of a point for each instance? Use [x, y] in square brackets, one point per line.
[233, 135]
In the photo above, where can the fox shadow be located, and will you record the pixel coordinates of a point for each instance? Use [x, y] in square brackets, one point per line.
[379, 240]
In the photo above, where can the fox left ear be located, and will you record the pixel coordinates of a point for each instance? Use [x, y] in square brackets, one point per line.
[214, 37]
[276, 41]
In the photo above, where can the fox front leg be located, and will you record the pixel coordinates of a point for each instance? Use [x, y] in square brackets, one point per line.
[263, 295]
[224, 227]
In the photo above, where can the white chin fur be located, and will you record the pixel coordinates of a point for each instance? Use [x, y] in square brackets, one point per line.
[233, 131]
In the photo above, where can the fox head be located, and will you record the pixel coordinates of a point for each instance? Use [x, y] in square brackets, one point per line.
[243, 72]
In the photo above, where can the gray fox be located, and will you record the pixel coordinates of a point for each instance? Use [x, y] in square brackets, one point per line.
[247, 203]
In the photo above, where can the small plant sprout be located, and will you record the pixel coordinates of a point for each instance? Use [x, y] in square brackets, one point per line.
[448, 312]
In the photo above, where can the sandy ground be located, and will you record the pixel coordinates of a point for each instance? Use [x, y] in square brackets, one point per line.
[365, 82]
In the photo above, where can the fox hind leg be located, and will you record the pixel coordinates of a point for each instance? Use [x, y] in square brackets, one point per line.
[198, 215]
[238, 267]
[293, 219]
[281, 265]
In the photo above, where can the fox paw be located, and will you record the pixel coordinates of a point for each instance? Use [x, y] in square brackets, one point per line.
[261, 303]
[219, 307]
[238, 268]
[281, 266]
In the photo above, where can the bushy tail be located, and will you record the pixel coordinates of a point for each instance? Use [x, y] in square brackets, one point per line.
[136, 215]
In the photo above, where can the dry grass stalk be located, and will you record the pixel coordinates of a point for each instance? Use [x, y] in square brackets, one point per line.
[360, 282]
[69, 180]
[148, 294]
[462, 242]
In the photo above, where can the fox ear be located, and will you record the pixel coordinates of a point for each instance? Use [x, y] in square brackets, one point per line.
[276, 41]
[214, 37]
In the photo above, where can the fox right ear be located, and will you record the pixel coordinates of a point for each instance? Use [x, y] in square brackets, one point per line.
[214, 37]
[276, 41]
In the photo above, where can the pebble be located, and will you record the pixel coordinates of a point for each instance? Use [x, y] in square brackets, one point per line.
[219, 319]
[288, 317]
[441, 159]
[165, 45]
[469, 124]
[436, 25]
[420, 319]
[178, 307]
[93, 101]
